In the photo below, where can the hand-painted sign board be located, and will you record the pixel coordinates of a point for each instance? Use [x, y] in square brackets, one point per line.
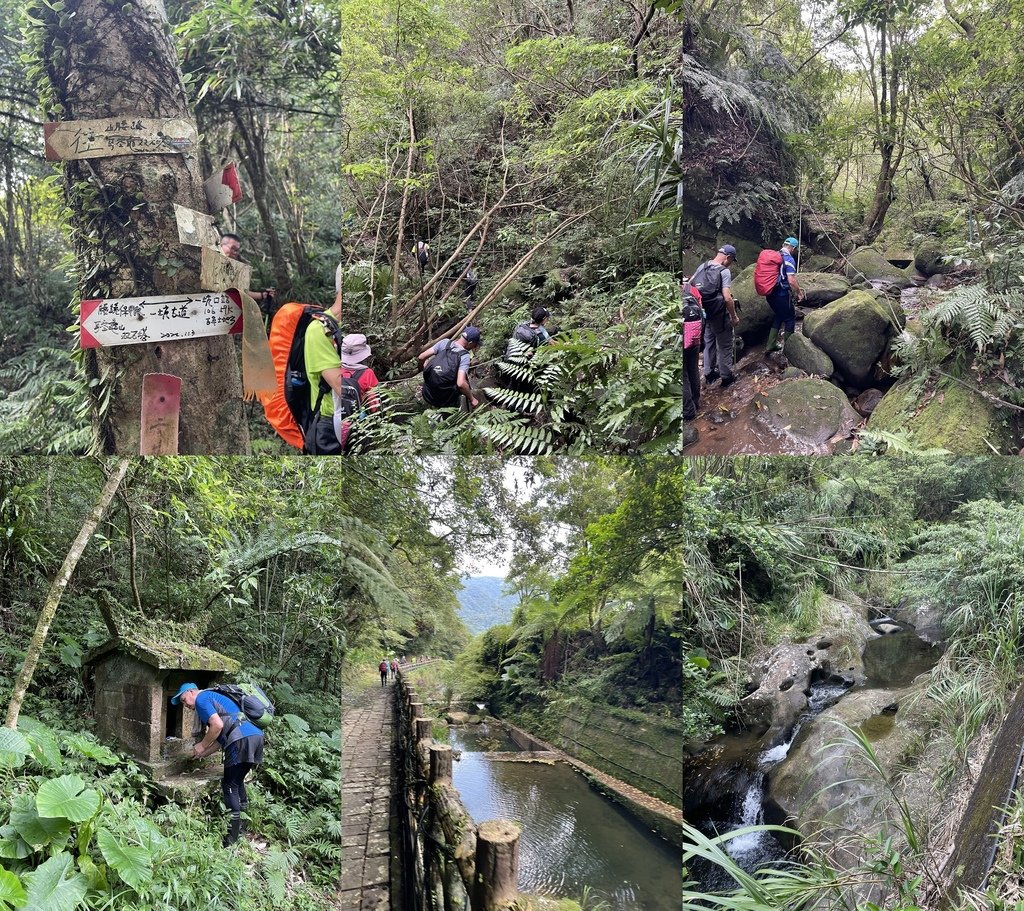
[161, 405]
[77, 139]
[220, 272]
[196, 229]
[138, 320]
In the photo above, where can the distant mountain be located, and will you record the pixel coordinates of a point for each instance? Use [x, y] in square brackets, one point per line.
[482, 605]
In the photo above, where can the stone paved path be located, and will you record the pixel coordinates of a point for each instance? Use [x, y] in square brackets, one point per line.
[366, 802]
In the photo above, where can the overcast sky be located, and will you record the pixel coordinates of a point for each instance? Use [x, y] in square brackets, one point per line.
[497, 565]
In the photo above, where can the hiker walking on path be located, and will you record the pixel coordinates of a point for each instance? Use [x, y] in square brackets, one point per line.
[227, 728]
[712, 280]
[358, 384]
[693, 325]
[322, 354]
[780, 298]
[383, 668]
[422, 253]
[446, 370]
[469, 283]
[394, 668]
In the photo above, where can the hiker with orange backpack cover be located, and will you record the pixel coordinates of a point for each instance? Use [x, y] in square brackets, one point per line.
[775, 279]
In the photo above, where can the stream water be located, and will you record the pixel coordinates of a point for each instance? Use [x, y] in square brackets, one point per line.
[572, 837]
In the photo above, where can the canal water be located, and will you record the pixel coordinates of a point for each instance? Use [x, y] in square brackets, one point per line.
[572, 837]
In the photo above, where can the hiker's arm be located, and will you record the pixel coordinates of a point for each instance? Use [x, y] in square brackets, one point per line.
[332, 377]
[372, 401]
[209, 743]
[795, 285]
[466, 389]
[424, 355]
[730, 306]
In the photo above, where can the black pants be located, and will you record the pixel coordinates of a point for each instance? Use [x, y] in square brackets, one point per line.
[233, 784]
[383, 677]
[781, 301]
[691, 382]
[321, 439]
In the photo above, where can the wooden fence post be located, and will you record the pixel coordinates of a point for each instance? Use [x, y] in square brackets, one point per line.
[497, 865]
[424, 728]
[440, 763]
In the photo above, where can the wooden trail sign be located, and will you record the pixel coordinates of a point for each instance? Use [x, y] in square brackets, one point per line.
[138, 320]
[78, 139]
[161, 404]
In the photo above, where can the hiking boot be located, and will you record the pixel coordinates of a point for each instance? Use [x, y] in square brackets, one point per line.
[728, 381]
[773, 342]
[711, 377]
[234, 831]
[690, 434]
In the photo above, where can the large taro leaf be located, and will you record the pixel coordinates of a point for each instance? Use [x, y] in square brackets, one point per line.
[35, 829]
[13, 749]
[12, 845]
[90, 749]
[48, 890]
[11, 893]
[67, 796]
[133, 864]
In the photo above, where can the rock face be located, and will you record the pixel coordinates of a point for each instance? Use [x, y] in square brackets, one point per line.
[825, 786]
[801, 352]
[854, 331]
[867, 401]
[869, 264]
[822, 287]
[809, 412]
[929, 261]
[955, 419]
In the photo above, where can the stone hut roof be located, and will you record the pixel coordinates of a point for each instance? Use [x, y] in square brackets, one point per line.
[166, 655]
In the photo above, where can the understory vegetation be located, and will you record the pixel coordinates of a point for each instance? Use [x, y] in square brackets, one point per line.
[772, 546]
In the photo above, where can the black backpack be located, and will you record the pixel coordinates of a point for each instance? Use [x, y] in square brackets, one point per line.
[526, 334]
[708, 281]
[442, 374]
[351, 398]
[296, 386]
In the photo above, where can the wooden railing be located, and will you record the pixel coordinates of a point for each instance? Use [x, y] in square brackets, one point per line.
[451, 863]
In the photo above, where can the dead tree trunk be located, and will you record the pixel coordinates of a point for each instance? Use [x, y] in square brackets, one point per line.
[105, 60]
[49, 609]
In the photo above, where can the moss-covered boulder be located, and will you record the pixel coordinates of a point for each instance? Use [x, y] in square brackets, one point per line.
[756, 316]
[954, 418]
[929, 259]
[808, 412]
[822, 288]
[869, 264]
[816, 263]
[854, 331]
[803, 353]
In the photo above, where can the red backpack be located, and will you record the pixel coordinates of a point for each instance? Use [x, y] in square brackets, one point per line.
[768, 271]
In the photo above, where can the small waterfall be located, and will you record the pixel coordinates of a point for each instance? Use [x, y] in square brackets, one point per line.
[749, 847]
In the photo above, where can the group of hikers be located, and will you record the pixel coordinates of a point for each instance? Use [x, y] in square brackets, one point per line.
[711, 315]
[329, 385]
[388, 668]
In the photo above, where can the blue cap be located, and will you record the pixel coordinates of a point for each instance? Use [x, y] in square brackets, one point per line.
[791, 242]
[728, 250]
[471, 334]
[185, 687]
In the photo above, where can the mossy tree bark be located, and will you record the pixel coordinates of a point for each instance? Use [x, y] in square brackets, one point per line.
[60, 582]
[105, 59]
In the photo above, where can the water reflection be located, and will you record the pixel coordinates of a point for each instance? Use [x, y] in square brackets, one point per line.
[572, 837]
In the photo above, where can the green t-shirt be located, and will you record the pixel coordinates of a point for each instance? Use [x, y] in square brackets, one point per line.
[320, 355]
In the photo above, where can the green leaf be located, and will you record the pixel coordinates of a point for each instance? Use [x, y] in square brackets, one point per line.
[12, 845]
[67, 797]
[36, 830]
[11, 892]
[13, 748]
[133, 864]
[48, 890]
[91, 750]
[45, 749]
[297, 724]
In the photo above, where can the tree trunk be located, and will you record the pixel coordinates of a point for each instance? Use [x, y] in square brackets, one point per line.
[396, 266]
[117, 60]
[35, 647]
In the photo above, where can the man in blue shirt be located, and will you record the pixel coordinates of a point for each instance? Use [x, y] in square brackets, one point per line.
[780, 298]
[227, 728]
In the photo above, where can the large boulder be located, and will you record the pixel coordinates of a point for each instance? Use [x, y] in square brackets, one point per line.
[869, 264]
[756, 316]
[803, 353]
[816, 263]
[805, 412]
[854, 331]
[826, 786]
[929, 259]
[953, 418]
[822, 288]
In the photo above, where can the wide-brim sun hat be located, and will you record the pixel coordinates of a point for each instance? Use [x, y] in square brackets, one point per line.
[354, 350]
